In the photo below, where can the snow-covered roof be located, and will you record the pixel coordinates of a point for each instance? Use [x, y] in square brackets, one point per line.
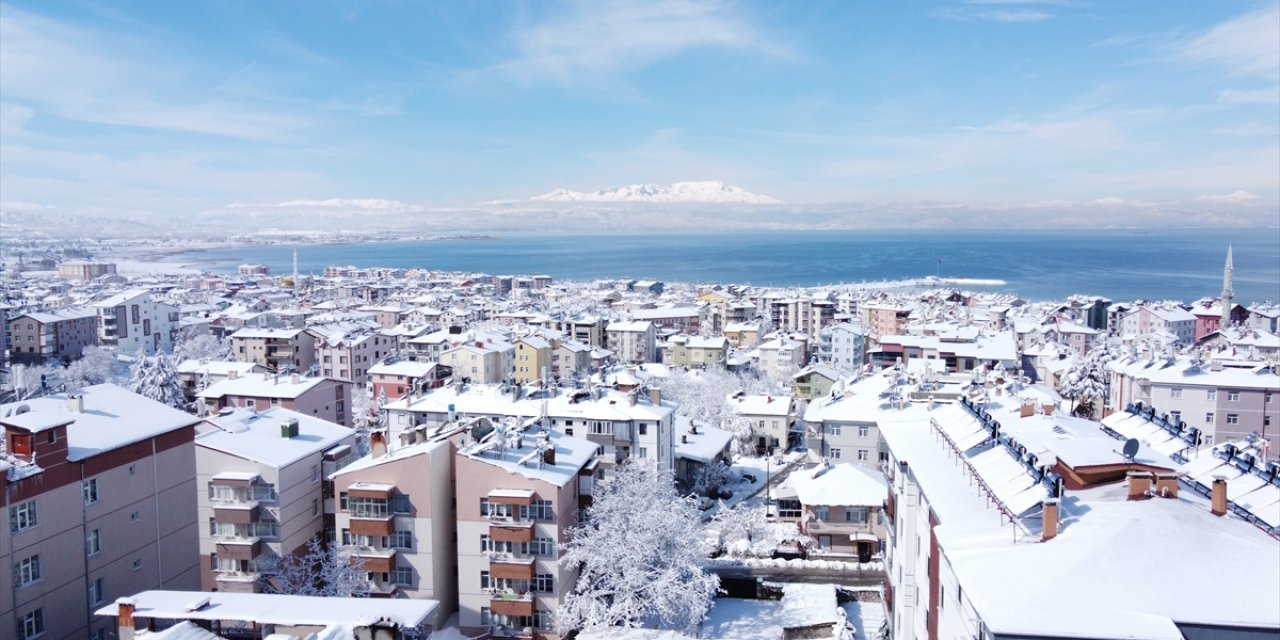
[761, 405]
[112, 418]
[704, 446]
[840, 485]
[630, 326]
[408, 368]
[278, 609]
[217, 367]
[394, 454]
[256, 435]
[265, 386]
[1183, 371]
[572, 453]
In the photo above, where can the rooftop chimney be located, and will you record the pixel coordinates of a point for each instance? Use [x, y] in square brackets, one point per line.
[294, 378]
[1048, 409]
[233, 374]
[124, 618]
[1027, 410]
[1139, 485]
[75, 403]
[1218, 503]
[1049, 513]
[377, 444]
[655, 396]
[549, 454]
[1167, 484]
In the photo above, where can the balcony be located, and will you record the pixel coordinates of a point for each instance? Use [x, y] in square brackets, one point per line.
[510, 603]
[507, 566]
[510, 530]
[244, 512]
[376, 526]
[238, 548]
[858, 529]
[376, 560]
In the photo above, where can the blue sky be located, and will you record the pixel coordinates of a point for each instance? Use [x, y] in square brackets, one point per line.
[177, 108]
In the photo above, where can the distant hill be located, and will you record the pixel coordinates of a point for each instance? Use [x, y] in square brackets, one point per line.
[709, 191]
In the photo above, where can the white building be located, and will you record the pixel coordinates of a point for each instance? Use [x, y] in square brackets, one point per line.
[633, 342]
[135, 322]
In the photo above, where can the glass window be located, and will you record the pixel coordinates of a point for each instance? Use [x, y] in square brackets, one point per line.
[402, 576]
[788, 508]
[1175, 393]
[1211, 394]
[26, 571]
[1233, 418]
[400, 540]
[23, 516]
[1233, 396]
[90, 488]
[400, 503]
[93, 542]
[32, 624]
[95, 591]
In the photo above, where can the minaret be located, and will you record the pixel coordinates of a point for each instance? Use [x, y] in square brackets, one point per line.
[1226, 292]
[295, 270]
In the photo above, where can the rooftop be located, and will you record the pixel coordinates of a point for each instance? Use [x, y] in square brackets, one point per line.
[256, 435]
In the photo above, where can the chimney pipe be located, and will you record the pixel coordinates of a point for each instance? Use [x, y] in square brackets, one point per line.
[1049, 513]
[655, 396]
[549, 454]
[1139, 485]
[124, 618]
[75, 403]
[377, 444]
[1218, 503]
[1167, 484]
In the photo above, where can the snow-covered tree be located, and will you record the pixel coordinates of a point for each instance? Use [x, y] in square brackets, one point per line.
[709, 479]
[322, 570]
[364, 417]
[640, 557]
[202, 347]
[747, 532]
[27, 379]
[156, 378]
[95, 366]
[1088, 381]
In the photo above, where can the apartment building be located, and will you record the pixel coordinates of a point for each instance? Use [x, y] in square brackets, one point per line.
[275, 349]
[136, 322]
[399, 378]
[696, 352]
[1148, 320]
[883, 319]
[781, 357]
[479, 361]
[687, 320]
[838, 505]
[624, 423]
[571, 359]
[522, 494]
[395, 507]
[322, 398]
[980, 538]
[842, 347]
[347, 352]
[633, 342]
[1223, 399]
[61, 334]
[79, 270]
[196, 375]
[259, 490]
[533, 357]
[97, 489]
[772, 419]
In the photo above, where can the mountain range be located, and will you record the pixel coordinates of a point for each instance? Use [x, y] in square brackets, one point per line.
[708, 191]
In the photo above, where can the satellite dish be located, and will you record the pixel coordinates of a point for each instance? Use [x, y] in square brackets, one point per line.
[22, 408]
[1131, 448]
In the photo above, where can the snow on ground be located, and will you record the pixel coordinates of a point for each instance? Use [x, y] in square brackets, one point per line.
[738, 619]
[866, 618]
[751, 474]
[797, 563]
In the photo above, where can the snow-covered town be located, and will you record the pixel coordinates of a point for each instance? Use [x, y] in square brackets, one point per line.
[406, 453]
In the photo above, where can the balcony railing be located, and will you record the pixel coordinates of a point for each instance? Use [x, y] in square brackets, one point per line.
[824, 527]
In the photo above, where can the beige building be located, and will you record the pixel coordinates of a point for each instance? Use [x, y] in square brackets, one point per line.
[533, 357]
[85, 270]
[97, 493]
[316, 397]
[196, 375]
[395, 506]
[633, 342]
[522, 494]
[275, 348]
[478, 361]
[347, 353]
[259, 490]
[571, 359]
[696, 352]
[63, 334]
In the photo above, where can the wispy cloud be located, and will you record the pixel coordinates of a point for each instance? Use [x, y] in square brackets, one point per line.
[600, 39]
[1244, 46]
[110, 78]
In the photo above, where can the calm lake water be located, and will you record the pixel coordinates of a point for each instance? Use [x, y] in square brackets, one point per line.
[1121, 265]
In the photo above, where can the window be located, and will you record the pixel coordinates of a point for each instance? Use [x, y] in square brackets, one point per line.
[1211, 394]
[484, 506]
[833, 429]
[402, 576]
[864, 431]
[644, 428]
[90, 488]
[1233, 396]
[1175, 417]
[1208, 417]
[31, 625]
[400, 540]
[642, 453]
[315, 506]
[1233, 418]
[541, 510]
[600, 427]
[788, 508]
[543, 583]
[484, 543]
[1175, 393]
[93, 542]
[544, 547]
[400, 503]
[855, 514]
[137, 565]
[134, 517]
[368, 508]
[26, 571]
[95, 591]
[833, 453]
[23, 516]
[863, 455]
[342, 500]
[821, 514]
[485, 582]
[486, 616]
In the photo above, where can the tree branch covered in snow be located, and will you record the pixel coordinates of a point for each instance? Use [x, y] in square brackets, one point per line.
[331, 571]
[95, 366]
[703, 396]
[639, 556]
[156, 378]
[1088, 381]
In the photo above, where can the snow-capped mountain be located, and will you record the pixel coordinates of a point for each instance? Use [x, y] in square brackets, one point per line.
[694, 191]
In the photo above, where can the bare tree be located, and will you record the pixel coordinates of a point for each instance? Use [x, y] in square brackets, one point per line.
[323, 570]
